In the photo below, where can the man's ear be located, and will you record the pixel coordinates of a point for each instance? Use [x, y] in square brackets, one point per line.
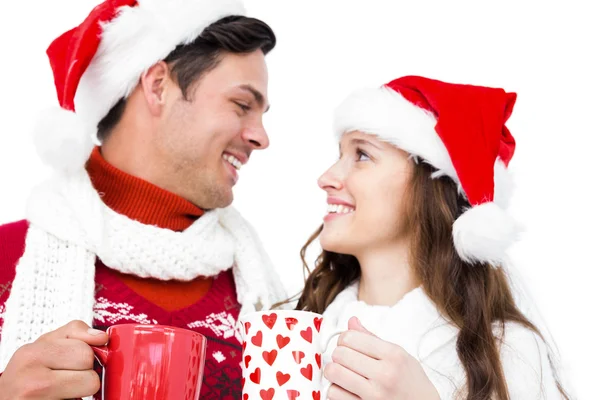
[154, 84]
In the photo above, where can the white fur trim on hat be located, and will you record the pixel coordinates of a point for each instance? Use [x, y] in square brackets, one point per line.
[388, 115]
[135, 40]
[484, 232]
[385, 113]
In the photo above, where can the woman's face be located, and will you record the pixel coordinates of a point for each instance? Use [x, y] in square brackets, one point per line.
[365, 194]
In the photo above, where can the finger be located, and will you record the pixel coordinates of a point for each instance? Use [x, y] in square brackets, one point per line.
[74, 384]
[77, 330]
[66, 354]
[368, 344]
[357, 362]
[337, 393]
[346, 379]
[354, 324]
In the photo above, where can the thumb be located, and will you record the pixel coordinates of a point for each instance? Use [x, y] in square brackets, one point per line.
[78, 330]
[354, 324]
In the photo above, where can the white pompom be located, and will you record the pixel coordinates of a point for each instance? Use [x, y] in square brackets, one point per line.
[484, 233]
[62, 139]
[503, 184]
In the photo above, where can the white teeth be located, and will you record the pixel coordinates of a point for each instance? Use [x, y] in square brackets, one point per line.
[237, 164]
[338, 209]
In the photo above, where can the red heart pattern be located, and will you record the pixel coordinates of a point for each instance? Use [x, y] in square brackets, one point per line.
[270, 320]
[291, 323]
[257, 339]
[255, 376]
[307, 372]
[282, 378]
[270, 356]
[267, 394]
[282, 341]
[307, 334]
[318, 322]
[298, 356]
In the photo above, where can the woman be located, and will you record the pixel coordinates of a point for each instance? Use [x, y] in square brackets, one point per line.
[414, 245]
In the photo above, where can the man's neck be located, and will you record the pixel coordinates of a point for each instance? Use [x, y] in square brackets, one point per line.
[150, 205]
[138, 199]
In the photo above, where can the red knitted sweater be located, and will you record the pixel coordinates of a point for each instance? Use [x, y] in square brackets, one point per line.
[208, 306]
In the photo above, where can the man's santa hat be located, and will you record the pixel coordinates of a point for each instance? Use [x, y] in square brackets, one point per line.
[458, 129]
[101, 61]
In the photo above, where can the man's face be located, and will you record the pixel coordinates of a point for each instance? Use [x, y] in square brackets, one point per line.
[204, 141]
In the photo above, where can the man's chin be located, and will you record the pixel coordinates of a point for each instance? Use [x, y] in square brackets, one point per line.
[220, 200]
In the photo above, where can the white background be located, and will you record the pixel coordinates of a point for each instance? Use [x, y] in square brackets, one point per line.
[546, 53]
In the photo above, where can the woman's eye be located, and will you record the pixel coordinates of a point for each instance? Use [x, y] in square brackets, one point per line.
[362, 156]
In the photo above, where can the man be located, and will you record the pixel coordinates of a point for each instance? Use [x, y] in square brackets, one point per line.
[139, 231]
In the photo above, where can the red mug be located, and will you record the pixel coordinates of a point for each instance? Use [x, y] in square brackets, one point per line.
[151, 362]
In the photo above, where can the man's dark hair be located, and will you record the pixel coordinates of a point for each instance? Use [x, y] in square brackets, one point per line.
[188, 63]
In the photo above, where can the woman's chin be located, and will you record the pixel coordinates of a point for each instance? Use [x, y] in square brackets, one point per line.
[335, 244]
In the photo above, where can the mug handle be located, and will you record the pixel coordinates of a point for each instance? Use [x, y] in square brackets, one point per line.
[101, 353]
[325, 388]
[330, 338]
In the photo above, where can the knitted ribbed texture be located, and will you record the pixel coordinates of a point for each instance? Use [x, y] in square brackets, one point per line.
[214, 315]
[70, 226]
[138, 199]
[149, 204]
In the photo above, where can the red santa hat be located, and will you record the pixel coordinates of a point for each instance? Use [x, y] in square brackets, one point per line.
[101, 61]
[458, 129]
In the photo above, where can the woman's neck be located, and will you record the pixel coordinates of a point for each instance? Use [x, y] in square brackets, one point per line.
[386, 275]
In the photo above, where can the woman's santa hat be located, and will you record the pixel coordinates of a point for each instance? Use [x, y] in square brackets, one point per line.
[458, 129]
[101, 61]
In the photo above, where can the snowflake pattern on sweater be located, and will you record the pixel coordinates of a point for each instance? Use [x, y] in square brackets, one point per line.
[214, 315]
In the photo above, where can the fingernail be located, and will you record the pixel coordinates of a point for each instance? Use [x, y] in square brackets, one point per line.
[94, 332]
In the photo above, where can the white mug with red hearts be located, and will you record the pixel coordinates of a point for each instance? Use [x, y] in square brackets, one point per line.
[282, 352]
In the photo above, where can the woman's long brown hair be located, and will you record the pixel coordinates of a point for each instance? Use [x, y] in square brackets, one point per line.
[472, 297]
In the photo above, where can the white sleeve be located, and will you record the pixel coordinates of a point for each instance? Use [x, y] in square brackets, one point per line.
[527, 370]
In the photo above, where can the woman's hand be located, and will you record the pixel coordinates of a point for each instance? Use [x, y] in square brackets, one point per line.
[367, 367]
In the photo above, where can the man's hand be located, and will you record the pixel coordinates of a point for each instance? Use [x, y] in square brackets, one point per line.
[59, 365]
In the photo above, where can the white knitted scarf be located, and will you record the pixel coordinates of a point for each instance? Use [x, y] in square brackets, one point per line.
[70, 226]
